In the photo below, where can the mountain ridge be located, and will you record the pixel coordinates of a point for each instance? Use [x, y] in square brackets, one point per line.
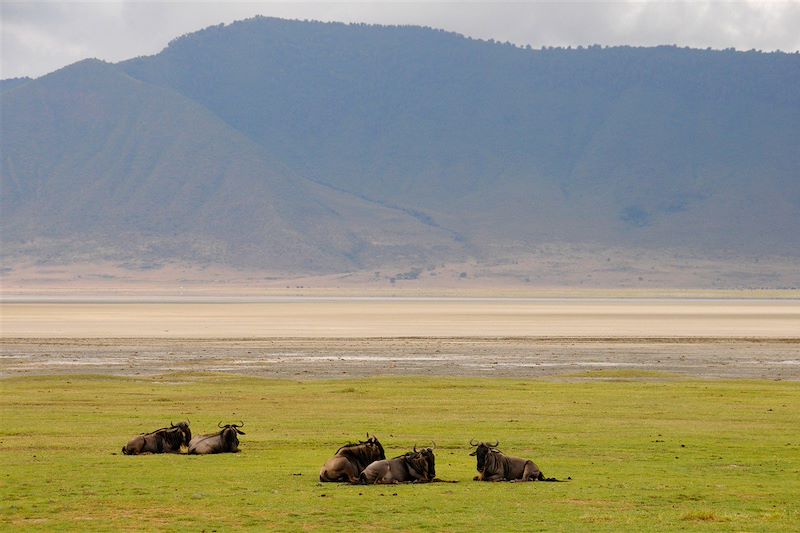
[155, 190]
[325, 147]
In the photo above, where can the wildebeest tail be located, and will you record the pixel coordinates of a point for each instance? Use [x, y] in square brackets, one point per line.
[551, 479]
[124, 450]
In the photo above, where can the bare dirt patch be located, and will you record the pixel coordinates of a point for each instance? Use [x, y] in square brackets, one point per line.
[356, 317]
[312, 358]
[296, 337]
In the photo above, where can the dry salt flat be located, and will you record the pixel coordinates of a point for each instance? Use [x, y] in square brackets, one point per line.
[326, 337]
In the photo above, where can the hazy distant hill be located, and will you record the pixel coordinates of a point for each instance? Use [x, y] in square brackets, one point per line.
[616, 144]
[430, 146]
[10, 83]
[93, 154]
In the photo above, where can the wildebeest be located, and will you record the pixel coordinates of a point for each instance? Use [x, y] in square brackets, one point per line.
[163, 440]
[224, 441]
[493, 465]
[416, 466]
[351, 459]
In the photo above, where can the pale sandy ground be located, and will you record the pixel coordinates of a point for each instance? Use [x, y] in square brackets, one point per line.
[348, 337]
[298, 358]
[404, 317]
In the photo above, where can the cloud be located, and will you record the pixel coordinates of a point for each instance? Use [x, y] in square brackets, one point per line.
[39, 37]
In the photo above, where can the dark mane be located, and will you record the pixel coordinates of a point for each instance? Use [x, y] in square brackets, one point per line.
[496, 461]
[155, 431]
[362, 453]
[406, 455]
[419, 462]
[180, 426]
[349, 445]
[357, 452]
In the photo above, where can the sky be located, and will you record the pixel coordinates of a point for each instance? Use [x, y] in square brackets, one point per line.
[38, 37]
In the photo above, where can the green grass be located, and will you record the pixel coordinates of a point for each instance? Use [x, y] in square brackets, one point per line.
[658, 456]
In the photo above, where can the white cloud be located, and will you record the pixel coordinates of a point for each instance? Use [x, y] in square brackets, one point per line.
[38, 37]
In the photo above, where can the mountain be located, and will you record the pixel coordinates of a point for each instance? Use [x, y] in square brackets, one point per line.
[93, 155]
[10, 83]
[329, 147]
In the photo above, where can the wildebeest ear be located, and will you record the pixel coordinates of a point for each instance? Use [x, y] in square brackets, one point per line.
[474, 453]
[239, 431]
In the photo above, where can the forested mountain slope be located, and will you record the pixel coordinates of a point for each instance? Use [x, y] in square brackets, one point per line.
[329, 147]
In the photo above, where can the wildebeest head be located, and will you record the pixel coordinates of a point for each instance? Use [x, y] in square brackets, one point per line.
[374, 446]
[423, 461]
[430, 460]
[370, 448]
[229, 432]
[186, 433]
[482, 451]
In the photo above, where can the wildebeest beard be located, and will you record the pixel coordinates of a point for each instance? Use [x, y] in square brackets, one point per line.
[175, 435]
[186, 433]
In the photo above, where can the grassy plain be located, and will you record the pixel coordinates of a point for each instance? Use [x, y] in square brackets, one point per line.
[655, 455]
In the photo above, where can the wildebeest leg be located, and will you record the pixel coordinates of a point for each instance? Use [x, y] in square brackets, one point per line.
[531, 472]
[350, 474]
[139, 447]
[327, 477]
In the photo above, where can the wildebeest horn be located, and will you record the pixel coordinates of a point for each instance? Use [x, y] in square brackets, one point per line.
[415, 447]
[434, 445]
[220, 424]
[471, 443]
[496, 444]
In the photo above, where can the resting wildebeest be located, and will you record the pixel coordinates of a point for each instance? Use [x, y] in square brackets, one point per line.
[225, 441]
[417, 466]
[493, 465]
[351, 459]
[164, 440]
